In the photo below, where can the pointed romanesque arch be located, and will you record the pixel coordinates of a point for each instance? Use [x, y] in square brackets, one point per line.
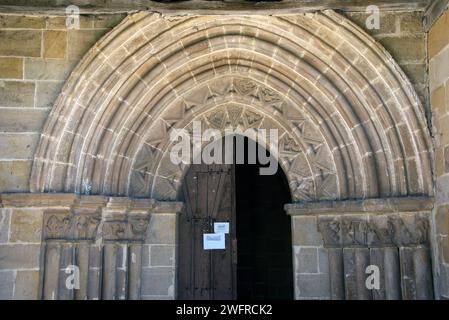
[352, 126]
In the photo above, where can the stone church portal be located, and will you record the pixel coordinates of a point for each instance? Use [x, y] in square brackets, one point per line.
[88, 185]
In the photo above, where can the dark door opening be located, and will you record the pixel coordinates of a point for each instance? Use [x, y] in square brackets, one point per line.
[264, 268]
[257, 260]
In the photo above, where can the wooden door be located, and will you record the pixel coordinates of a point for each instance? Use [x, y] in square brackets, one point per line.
[209, 194]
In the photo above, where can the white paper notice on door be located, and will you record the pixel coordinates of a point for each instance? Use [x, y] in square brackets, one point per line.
[213, 241]
[221, 227]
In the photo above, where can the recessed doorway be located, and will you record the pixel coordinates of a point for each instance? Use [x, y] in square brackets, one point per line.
[256, 262]
[264, 268]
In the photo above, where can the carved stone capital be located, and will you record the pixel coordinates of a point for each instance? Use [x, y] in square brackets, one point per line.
[85, 226]
[120, 218]
[369, 230]
[354, 230]
[330, 228]
[125, 227]
[57, 224]
[114, 230]
[67, 225]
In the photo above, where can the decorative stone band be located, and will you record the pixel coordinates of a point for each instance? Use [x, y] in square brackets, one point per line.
[71, 217]
[372, 206]
[370, 223]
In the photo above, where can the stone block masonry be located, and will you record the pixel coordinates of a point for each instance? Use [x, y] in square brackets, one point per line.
[346, 237]
[37, 54]
[20, 249]
[124, 248]
[438, 48]
[404, 37]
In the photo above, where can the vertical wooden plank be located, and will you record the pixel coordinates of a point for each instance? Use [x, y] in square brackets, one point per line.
[82, 261]
[213, 183]
[222, 264]
[135, 268]
[202, 257]
[355, 262]
[186, 236]
[336, 273]
[211, 271]
[51, 273]
[109, 271]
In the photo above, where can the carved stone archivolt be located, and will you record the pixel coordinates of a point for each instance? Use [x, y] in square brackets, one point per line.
[303, 153]
[353, 127]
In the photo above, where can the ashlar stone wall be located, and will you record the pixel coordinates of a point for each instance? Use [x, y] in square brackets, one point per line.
[37, 54]
[439, 89]
[20, 242]
[404, 37]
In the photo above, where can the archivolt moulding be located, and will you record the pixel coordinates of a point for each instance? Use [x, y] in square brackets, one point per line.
[352, 123]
